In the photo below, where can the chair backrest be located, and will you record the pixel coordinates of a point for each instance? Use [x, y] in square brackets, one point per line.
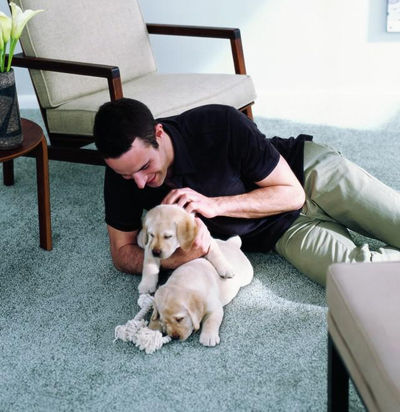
[108, 32]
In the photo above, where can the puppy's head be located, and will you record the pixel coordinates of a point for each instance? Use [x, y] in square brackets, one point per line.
[177, 313]
[167, 227]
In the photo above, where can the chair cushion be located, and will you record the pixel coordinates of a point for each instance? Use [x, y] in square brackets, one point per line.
[164, 94]
[363, 320]
[92, 31]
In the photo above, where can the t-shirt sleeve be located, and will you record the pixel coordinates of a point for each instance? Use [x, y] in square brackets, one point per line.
[122, 208]
[258, 156]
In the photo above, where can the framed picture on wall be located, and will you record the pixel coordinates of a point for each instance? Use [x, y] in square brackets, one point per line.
[393, 16]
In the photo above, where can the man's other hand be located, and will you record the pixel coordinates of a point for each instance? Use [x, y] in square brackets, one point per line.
[193, 202]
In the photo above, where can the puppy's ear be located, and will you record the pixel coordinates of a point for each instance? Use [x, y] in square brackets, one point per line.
[155, 315]
[155, 320]
[186, 231]
[158, 302]
[196, 309]
[143, 237]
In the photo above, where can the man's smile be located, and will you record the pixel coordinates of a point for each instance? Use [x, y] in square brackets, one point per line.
[152, 179]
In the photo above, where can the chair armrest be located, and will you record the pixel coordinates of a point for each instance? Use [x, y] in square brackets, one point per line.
[195, 31]
[233, 34]
[111, 73]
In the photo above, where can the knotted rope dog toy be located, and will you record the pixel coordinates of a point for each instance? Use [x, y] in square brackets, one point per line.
[136, 330]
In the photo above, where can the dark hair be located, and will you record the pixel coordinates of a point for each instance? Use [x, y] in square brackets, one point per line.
[118, 123]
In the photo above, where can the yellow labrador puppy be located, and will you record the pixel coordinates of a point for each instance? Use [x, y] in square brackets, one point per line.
[165, 229]
[196, 294]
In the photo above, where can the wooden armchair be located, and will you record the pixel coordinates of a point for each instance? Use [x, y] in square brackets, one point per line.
[72, 47]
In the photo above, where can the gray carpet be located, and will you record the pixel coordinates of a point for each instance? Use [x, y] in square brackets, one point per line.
[58, 309]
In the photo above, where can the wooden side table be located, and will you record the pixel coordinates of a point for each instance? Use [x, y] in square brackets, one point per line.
[35, 145]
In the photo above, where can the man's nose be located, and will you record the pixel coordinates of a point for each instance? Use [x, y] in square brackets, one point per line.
[140, 180]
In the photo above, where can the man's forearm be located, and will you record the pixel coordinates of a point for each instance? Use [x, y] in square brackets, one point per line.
[128, 259]
[265, 201]
[278, 192]
[179, 258]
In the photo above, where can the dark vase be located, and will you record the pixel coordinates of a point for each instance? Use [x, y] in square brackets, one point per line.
[10, 119]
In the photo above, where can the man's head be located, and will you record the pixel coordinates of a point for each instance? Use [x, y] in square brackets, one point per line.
[132, 144]
[117, 124]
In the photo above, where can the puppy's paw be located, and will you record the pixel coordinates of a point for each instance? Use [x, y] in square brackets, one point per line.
[147, 286]
[224, 269]
[221, 265]
[226, 272]
[209, 338]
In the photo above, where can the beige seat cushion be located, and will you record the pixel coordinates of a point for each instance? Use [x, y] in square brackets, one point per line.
[172, 94]
[364, 322]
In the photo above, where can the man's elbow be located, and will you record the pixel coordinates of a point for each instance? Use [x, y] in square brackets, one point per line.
[117, 264]
[299, 198]
[121, 265]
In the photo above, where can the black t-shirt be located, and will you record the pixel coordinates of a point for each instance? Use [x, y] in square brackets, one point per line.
[218, 151]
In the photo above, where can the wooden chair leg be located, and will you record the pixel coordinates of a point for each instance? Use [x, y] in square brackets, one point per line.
[249, 112]
[338, 380]
[42, 174]
[8, 172]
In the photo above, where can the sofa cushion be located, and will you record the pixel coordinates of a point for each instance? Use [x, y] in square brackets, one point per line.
[363, 319]
[174, 93]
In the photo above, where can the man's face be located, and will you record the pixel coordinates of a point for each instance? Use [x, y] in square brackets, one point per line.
[144, 164]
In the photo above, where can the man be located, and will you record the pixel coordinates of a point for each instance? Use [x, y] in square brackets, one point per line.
[291, 195]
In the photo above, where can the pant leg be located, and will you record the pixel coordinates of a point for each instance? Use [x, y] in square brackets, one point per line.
[312, 244]
[340, 195]
[349, 195]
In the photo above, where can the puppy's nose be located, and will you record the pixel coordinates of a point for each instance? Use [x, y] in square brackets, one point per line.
[175, 336]
[156, 252]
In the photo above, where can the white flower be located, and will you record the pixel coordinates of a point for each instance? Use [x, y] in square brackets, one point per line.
[5, 27]
[19, 19]
[10, 30]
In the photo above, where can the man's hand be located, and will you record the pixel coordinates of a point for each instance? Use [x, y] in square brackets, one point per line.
[203, 238]
[200, 248]
[193, 202]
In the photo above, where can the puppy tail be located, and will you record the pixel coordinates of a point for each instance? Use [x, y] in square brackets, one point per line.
[235, 240]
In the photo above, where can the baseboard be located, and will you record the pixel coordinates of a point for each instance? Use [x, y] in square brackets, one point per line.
[27, 101]
[342, 109]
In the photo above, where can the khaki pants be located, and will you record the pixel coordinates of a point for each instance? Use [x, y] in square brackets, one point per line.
[340, 196]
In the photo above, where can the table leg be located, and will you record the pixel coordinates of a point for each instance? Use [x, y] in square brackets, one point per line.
[8, 172]
[42, 174]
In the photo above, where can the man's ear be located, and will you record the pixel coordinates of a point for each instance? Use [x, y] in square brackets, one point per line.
[159, 130]
[186, 231]
[196, 309]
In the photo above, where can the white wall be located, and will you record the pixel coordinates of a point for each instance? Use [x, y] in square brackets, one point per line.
[317, 61]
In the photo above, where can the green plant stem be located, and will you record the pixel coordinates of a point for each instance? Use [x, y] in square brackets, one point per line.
[2, 59]
[13, 43]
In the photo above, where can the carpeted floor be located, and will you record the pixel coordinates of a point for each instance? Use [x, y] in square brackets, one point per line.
[58, 309]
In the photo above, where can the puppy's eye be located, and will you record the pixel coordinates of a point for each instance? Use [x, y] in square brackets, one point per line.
[151, 234]
[179, 319]
[167, 236]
